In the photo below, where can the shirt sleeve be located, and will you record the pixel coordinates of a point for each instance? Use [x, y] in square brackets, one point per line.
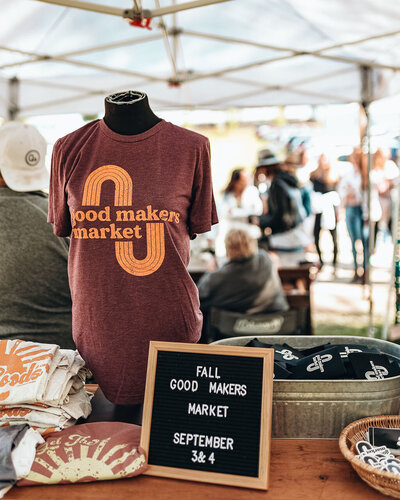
[58, 207]
[251, 202]
[391, 170]
[203, 213]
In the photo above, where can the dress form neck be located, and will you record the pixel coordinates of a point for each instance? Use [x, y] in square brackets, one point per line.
[129, 113]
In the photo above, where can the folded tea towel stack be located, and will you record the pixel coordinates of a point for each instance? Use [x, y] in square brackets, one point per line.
[41, 385]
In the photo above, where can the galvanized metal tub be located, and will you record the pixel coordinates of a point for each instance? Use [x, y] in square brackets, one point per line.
[315, 409]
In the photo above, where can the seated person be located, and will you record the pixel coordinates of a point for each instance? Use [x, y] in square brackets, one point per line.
[247, 283]
[35, 301]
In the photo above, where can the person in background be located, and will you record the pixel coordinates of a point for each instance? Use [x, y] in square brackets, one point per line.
[248, 282]
[302, 173]
[283, 222]
[35, 300]
[325, 200]
[267, 164]
[239, 200]
[351, 189]
[384, 175]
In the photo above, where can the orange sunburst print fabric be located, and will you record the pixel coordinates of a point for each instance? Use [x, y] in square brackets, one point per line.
[24, 370]
[88, 452]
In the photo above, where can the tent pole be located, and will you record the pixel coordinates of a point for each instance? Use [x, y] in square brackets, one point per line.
[115, 11]
[394, 274]
[13, 98]
[320, 53]
[102, 9]
[114, 45]
[367, 93]
[29, 109]
[356, 63]
[395, 330]
[228, 39]
[171, 53]
[261, 85]
[170, 9]
[272, 88]
[175, 33]
[62, 58]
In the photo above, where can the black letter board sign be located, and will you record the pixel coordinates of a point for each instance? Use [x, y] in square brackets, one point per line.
[207, 413]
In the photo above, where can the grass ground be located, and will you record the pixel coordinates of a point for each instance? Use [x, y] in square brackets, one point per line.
[325, 327]
[341, 307]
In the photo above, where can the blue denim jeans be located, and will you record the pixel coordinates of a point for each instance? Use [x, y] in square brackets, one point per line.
[357, 231]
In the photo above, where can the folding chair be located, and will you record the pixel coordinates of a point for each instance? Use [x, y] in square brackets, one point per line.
[223, 324]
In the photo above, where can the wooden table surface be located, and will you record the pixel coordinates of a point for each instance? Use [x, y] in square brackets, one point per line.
[300, 469]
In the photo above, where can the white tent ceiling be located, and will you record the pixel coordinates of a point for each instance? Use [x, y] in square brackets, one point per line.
[238, 53]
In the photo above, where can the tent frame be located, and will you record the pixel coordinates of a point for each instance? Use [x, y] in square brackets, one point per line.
[136, 12]
[179, 77]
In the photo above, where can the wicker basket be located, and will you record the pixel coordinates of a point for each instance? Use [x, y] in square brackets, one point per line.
[385, 482]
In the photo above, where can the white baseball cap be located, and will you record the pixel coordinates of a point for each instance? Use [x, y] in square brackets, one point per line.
[22, 157]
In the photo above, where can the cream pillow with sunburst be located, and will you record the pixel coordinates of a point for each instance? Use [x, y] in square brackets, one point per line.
[88, 452]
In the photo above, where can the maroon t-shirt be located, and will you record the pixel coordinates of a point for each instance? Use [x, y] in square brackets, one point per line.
[131, 205]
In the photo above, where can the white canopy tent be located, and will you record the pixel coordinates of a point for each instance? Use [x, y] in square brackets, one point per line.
[61, 56]
[58, 57]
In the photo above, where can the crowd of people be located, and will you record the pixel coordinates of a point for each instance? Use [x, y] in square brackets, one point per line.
[286, 218]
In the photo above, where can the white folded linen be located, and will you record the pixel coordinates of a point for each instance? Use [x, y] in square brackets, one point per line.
[43, 416]
[42, 385]
[31, 372]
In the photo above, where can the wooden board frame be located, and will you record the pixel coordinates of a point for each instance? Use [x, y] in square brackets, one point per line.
[260, 482]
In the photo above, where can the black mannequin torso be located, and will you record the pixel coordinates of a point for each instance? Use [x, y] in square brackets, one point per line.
[129, 113]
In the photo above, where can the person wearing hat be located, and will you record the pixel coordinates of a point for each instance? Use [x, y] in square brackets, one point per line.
[35, 301]
[266, 160]
[282, 222]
